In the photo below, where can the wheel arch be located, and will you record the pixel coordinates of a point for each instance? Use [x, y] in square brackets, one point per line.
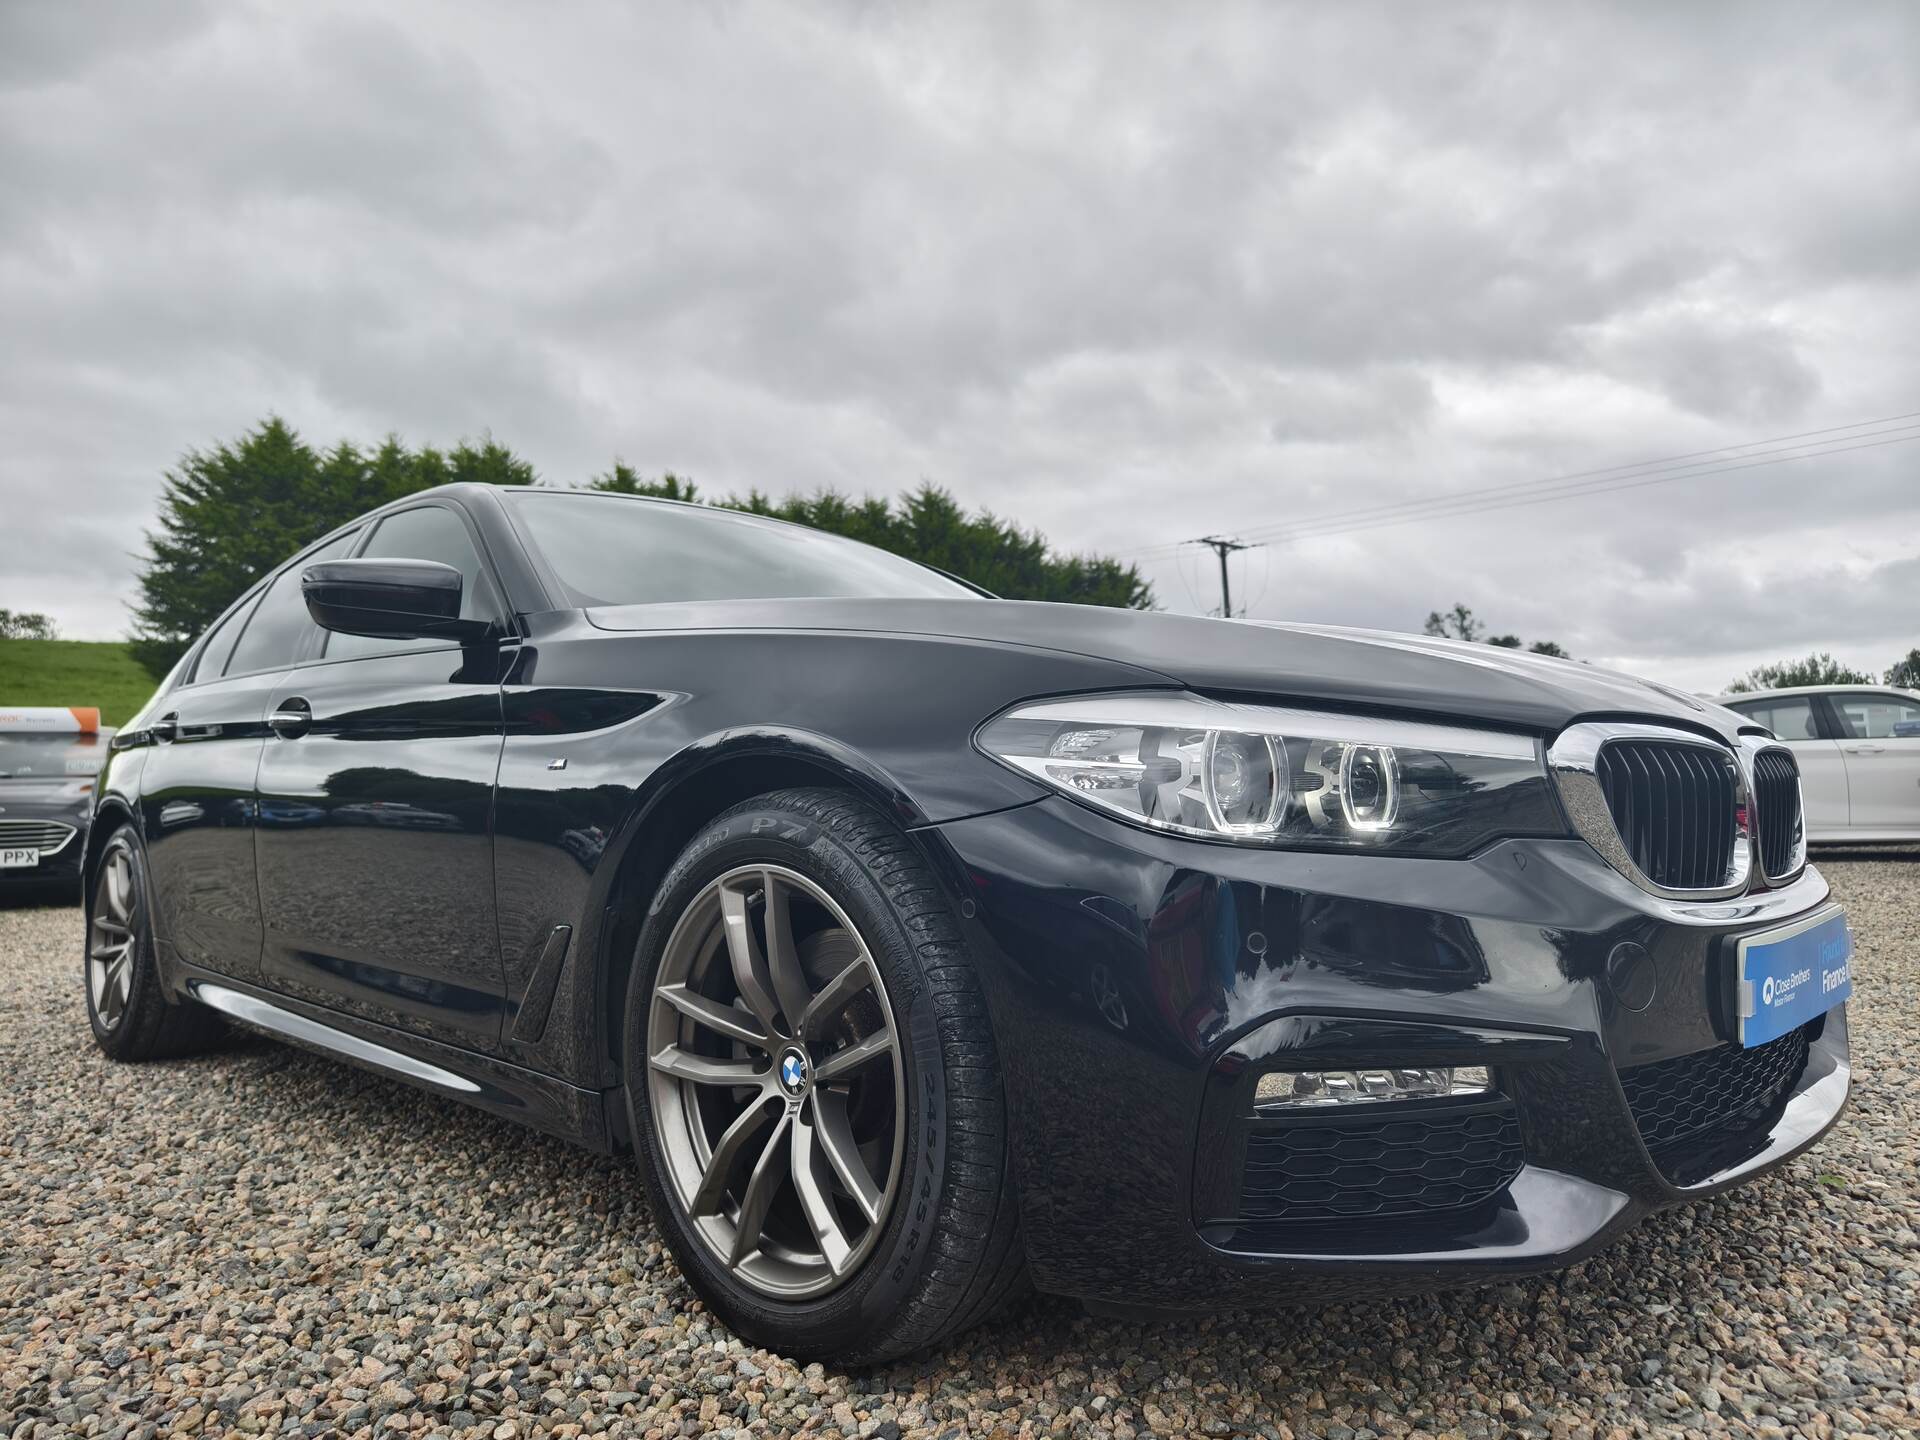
[698, 783]
[108, 816]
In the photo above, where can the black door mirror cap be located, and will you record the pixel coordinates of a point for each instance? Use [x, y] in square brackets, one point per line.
[389, 600]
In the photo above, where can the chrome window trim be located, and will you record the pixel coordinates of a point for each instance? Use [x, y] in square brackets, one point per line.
[1573, 759]
[1751, 748]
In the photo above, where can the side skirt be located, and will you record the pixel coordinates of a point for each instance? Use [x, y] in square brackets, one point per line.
[540, 1101]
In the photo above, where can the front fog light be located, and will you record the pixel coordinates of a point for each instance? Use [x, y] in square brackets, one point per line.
[1311, 1088]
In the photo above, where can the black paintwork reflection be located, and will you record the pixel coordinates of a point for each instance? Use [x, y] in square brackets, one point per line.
[1392, 948]
[379, 985]
[375, 846]
[1344, 668]
[1206, 954]
[563, 799]
[533, 709]
[1346, 1042]
[1108, 1120]
[891, 716]
[198, 815]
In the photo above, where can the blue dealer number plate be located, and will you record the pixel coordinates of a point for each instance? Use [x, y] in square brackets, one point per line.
[1790, 975]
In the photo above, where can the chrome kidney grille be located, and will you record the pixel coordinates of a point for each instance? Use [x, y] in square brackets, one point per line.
[1779, 823]
[1669, 810]
[1673, 804]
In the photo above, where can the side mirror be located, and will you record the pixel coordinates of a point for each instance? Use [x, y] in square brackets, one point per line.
[389, 599]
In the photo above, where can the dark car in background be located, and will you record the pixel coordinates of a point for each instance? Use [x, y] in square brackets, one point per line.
[922, 946]
[49, 759]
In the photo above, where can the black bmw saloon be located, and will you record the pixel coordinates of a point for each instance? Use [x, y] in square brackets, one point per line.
[922, 947]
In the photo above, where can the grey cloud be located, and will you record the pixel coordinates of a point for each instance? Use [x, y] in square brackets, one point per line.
[1122, 275]
[352, 118]
[48, 44]
[1726, 368]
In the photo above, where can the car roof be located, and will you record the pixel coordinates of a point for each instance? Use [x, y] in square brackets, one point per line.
[1744, 696]
[469, 489]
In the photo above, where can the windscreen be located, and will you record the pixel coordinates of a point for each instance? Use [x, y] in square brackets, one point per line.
[51, 757]
[611, 550]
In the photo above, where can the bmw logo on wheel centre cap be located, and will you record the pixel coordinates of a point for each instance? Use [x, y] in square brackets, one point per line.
[793, 1072]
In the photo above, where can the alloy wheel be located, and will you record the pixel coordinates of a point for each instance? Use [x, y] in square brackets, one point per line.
[111, 938]
[776, 1081]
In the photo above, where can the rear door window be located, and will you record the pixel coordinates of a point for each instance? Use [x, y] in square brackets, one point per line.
[214, 655]
[1876, 717]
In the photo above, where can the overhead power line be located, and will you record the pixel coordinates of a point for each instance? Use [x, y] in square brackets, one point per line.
[1695, 464]
[1312, 531]
[1622, 478]
[1674, 462]
[1223, 547]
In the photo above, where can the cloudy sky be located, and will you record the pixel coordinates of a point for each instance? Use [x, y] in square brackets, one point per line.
[1128, 274]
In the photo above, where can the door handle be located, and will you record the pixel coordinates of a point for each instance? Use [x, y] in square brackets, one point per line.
[1866, 749]
[291, 719]
[165, 727]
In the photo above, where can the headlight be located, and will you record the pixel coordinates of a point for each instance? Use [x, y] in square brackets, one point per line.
[1269, 775]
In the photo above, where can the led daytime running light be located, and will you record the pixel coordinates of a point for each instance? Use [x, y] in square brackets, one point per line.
[1317, 1089]
[1277, 776]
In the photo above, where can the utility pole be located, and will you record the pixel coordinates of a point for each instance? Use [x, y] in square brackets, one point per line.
[1223, 548]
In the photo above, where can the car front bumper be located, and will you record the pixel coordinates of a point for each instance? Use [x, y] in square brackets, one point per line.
[1141, 983]
[59, 865]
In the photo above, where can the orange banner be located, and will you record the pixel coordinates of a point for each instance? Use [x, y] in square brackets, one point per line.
[50, 719]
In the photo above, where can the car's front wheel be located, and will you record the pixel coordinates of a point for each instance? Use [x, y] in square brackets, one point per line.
[815, 1093]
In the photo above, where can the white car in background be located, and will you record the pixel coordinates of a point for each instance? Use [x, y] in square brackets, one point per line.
[1859, 753]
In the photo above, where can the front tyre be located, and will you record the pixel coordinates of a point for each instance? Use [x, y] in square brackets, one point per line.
[814, 1088]
[127, 1006]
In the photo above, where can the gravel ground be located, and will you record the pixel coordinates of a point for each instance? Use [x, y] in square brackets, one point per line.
[260, 1242]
